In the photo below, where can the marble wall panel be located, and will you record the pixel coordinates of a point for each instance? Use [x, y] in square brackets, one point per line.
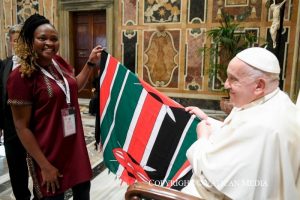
[8, 10]
[130, 50]
[194, 66]
[141, 21]
[47, 8]
[186, 70]
[8, 13]
[130, 12]
[161, 58]
[281, 52]
[2, 43]
[197, 11]
[25, 8]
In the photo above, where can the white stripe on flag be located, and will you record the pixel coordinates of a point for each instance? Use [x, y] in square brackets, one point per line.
[105, 70]
[153, 135]
[115, 111]
[108, 99]
[133, 123]
[178, 147]
[184, 172]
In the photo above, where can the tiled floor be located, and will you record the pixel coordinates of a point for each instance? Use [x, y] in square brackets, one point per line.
[104, 186]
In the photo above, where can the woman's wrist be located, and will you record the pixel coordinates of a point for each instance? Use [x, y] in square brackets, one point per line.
[91, 64]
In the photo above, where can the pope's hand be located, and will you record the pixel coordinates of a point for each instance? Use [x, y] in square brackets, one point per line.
[204, 129]
[196, 111]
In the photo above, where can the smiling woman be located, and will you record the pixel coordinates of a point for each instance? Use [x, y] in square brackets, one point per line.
[45, 44]
[40, 89]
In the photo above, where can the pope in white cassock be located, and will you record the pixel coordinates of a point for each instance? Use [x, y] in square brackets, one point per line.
[255, 152]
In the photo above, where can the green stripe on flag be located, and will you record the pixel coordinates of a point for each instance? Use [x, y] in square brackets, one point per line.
[108, 118]
[190, 138]
[133, 92]
[127, 104]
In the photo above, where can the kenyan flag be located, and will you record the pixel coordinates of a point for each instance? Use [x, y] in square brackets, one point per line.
[144, 134]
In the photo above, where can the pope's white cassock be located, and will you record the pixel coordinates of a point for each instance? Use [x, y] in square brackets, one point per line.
[255, 154]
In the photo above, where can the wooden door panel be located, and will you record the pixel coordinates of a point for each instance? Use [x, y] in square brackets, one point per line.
[100, 37]
[89, 31]
[99, 31]
[82, 41]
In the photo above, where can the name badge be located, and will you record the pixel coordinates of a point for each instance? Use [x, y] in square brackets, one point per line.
[68, 119]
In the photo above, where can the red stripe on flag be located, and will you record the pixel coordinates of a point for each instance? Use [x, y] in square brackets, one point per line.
[106, 84]
[126, 178]
[166, 100]
[136, 171]
[182, 168]
[144, 127]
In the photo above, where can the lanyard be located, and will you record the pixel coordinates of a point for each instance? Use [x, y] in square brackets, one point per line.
[66, 88]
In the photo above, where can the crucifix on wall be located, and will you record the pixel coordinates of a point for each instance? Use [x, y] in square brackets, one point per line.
[276, 23]
[277, 36]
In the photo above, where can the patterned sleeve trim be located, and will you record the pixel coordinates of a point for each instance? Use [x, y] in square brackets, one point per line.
[18, 102]
[33, 174]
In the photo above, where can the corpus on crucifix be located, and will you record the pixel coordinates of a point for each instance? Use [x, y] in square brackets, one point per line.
[275, 8]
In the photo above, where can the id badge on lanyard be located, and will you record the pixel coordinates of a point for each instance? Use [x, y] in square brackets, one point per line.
[68, 119]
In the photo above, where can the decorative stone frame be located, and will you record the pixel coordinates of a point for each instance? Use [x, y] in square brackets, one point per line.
[65, 7]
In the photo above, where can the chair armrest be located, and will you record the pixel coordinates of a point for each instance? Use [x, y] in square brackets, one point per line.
[140, 190]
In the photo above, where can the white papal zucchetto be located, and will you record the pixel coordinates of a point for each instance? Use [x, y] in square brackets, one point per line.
[260, 58]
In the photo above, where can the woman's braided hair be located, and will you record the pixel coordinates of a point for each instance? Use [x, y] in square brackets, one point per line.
[24, 48]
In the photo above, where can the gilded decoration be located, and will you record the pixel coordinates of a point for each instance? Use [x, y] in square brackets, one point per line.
[161, 59]
[162, 11]
[25, 8]
[236, 2]
[240, 10]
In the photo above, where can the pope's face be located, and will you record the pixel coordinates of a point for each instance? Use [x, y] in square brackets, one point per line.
[240, 85]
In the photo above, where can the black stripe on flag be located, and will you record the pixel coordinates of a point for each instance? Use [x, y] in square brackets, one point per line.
[103, 61]
[166, 143]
